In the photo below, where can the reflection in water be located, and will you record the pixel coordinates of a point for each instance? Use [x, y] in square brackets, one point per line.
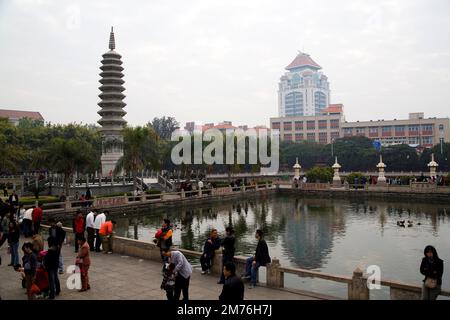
[329, 235]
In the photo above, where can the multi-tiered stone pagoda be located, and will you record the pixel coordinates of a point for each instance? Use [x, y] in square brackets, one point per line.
[112, 105]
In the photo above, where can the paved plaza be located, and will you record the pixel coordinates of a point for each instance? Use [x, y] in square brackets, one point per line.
[116, 277]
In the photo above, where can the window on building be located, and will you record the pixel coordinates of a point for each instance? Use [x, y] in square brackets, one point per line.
[298, 125]
[427, 127]
[413, 127]
[320, 101]
[373, 130]
[334, 124]
[311, 136]
[427, 140]
[310, 125]
[334, 135]
[386, 129]
[360, 130]
[322, 137]
[399, 128]
[348, 131]
[441, 127]
[293, 104]
[288, 137]
[275, 125]
[287, 125]
[322, 124]
[298, 136]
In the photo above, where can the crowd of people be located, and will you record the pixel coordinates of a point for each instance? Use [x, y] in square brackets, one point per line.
[39, 268]
[177, 270]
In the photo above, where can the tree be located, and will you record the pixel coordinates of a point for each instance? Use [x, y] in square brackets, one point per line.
[141, 151]
[164, 126]
[68, 156]
[324, 174]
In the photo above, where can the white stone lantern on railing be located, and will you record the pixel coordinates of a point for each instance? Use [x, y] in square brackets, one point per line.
[297, 168]
[381, 166]
[433, 166]
[336, 178]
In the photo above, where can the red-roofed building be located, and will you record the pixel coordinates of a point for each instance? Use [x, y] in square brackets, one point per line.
[303, 60]
[14, 116]
[303, 90]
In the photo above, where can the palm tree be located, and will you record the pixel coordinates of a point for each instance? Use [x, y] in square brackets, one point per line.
[141, 150]
[68, 156]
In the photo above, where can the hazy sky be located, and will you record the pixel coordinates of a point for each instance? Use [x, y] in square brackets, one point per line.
[221, 60]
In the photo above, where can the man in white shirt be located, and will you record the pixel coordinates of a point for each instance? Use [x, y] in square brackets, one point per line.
[90, 228]
[99, 220]
[182, 271]
[27, 222]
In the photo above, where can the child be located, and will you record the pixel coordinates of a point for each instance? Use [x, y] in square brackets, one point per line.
[168, 282]
[41, 279]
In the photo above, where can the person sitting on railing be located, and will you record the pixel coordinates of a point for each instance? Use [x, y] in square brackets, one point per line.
[211, 245]
[260, 258]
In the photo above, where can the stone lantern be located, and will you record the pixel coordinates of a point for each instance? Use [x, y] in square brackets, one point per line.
[433, 166]
[336, 178]
[297, 168]
[381, 178]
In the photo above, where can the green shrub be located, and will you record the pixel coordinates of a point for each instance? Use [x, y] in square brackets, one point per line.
[320, 174]
[354, 175]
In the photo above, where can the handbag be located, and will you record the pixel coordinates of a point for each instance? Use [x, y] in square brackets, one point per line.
[431, 283]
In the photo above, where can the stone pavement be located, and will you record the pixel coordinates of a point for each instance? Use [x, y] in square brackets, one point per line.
[115, 277]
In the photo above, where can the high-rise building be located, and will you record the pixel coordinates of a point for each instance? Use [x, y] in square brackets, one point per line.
[303, 90]
[112, 113]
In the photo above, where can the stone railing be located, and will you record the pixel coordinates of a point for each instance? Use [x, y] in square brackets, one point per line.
[357, 288]
[126, 200]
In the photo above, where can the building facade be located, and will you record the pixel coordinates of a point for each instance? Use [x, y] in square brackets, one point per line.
[14, 116]
[415, 131]
[303, 90]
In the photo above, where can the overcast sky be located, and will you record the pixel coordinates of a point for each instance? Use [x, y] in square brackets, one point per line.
[221, 60]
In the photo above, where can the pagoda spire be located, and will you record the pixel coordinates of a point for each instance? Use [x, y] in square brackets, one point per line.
[112, 41]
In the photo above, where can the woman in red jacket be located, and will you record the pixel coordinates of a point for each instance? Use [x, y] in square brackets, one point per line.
[78, 227]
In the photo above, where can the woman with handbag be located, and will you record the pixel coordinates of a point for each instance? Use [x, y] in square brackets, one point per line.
[432, 268]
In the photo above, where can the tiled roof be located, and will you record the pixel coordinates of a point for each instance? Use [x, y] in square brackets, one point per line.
[302, 60]
[17, 114]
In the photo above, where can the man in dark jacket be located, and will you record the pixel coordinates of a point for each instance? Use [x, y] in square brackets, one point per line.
[211, 245]
[432, 268]
[233, 288]
[56, 231]
[261, 258]
[228, 250]
[51, 264]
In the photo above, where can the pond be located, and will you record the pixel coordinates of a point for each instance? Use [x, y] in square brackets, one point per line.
[329, 235]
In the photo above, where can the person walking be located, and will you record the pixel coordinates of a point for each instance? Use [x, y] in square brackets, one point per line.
[56, 231]
[209, 248]
[228, 250]
[83, 261]
[432, 267]
[29, 262]
[78, 227]
[14, 199]
[27, 223]
[106, 232]
[233, 288]
[260, 258]
[98, 221]
[90, 228]
[182, 271]
[51, 264]
[37, 218]
[13, 242]
[168, 282]
[164, 240]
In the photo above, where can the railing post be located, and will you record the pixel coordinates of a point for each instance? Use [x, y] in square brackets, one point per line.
[67, 205]
[143, 197]
[200, 192]
[357, 289]
[275, 277]
[126, 198]
[216, 267]
[182, 194]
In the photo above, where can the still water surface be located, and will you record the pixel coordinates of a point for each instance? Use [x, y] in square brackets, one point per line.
[328, 235]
